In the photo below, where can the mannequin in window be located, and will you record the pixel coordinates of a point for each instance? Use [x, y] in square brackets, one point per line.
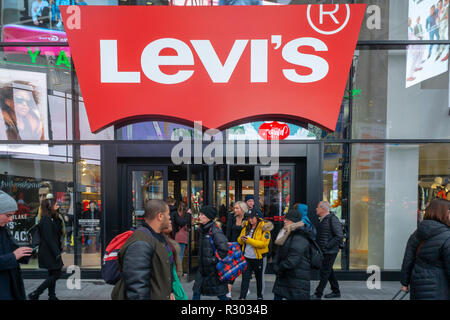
[436, 187]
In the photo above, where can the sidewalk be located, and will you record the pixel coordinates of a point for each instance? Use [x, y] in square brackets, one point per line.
[99, 290]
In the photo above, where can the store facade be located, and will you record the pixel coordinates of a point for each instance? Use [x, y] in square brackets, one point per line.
[388, 156]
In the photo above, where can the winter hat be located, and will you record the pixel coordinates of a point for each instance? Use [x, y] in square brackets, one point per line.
[303, 209]
[7, 203]
[249, 196]
[293, 215]
[209, 211]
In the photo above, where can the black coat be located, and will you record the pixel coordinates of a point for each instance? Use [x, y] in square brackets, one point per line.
[427, 269]
[233, 231]
[178, 222]
[50, 248]
[206, 280]
[11, 282]
[293, 266]
[330, 234]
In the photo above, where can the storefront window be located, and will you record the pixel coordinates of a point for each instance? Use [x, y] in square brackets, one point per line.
[24, 178]
[390, 186]
[85, 129]
[90, 212]
[334, 188]
[388, 20]
[154, 130]
[395, 85]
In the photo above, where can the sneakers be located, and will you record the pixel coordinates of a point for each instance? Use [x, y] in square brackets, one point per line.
[332, 295]
[315, 297]
[228, 295]
[53, 298]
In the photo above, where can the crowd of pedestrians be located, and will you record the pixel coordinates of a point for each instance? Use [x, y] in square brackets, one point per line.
[150, 261]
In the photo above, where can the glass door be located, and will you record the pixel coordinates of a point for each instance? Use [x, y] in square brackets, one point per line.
[144, 183]
[276, 194]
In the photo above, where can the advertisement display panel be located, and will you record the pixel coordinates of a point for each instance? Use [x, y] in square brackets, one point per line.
[23, 101]
[427, 20]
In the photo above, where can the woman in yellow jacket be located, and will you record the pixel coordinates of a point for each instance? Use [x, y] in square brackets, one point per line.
[254, 239]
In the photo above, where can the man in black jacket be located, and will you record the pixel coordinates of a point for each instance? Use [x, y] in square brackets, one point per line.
[329, 237]
[11, 282]
[145, 262]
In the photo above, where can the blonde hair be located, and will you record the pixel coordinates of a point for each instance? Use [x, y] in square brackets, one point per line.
[243, 206]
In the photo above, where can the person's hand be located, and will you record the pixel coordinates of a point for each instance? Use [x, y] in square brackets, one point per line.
[172, 296]
[22, 252]
[244, 238]
[404, 289]
[189, 211]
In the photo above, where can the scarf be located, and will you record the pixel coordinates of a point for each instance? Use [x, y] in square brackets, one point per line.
[286, 231]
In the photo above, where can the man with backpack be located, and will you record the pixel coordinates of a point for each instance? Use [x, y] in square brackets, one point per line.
[293, 261]
[330, 237]
[144, 261]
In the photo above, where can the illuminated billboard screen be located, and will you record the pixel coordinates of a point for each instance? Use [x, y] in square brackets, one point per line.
[427, 20]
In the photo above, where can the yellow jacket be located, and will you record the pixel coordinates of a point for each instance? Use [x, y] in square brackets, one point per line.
[260, 239]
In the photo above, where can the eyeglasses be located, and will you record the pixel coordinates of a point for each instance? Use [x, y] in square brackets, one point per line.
[20, 100]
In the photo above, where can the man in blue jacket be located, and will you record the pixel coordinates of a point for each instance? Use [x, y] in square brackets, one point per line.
[11, 282]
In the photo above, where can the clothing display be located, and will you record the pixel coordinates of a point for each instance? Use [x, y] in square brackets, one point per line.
[428, 190]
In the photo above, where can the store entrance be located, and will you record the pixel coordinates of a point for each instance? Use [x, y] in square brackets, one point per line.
[220, 186]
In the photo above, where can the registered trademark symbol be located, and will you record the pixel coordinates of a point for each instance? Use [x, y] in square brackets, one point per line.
[331, 14]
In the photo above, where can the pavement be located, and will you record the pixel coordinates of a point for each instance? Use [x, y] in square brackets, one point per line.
[99, 290]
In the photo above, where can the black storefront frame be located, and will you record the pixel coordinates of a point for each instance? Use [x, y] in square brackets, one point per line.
[348, 141]
[123, 158]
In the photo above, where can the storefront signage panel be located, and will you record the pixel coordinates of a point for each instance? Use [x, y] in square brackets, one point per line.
[218, 65]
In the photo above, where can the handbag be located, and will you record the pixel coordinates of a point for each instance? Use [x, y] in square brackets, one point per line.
[230, 267]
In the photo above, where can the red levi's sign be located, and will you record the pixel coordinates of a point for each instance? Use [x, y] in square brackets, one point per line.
[220, 65]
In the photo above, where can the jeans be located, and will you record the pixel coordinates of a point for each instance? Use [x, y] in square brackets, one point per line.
[327, 274]
[182, 247]
[256, 266]
[196, 296]
[50, 283]
[433, 34]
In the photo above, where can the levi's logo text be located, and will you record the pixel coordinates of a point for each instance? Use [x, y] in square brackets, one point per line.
[219, 65]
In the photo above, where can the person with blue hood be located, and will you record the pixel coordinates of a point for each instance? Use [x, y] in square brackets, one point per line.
[303, 209]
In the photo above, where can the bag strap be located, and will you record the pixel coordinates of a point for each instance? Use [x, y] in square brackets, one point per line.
[314, 244]
[212, 244]
[439, 263]
[419, 247]
[147, 232]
